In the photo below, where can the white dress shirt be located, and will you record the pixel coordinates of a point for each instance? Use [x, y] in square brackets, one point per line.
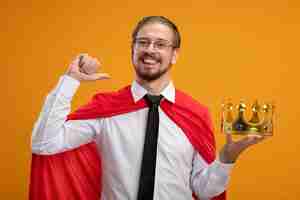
[180, 170]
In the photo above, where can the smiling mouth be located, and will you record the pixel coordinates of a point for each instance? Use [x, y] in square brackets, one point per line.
[149, 60]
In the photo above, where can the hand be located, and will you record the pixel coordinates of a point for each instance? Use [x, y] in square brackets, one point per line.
[84, 68]
[232, 149]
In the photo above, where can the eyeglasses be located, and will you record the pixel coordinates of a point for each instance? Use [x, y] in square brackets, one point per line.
[144, 43]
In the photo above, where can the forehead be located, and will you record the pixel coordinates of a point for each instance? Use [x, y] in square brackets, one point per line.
[156, 31]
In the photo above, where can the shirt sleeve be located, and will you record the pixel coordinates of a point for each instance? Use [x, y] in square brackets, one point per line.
[52, 133]
[209, 180]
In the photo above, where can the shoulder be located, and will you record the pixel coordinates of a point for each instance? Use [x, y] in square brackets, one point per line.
[196, 111]
[185, 100]
[121, 94]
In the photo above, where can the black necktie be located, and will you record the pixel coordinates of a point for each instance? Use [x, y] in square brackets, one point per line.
[147, 176]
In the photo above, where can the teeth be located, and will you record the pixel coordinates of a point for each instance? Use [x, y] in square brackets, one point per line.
[149, 61]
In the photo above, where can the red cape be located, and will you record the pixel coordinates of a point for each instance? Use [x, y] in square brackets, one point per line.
[76, 174]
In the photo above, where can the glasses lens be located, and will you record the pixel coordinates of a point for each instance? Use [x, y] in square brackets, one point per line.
[158, 45]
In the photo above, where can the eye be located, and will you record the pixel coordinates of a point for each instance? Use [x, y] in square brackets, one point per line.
[143, 43]
[160, 45]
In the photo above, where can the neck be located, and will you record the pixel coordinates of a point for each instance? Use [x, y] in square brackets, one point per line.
[156, 86]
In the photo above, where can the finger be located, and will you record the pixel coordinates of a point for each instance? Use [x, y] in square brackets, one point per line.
[80, 62]
[86, 64]
[228, 138]
[254, 139]
[96, 62]
[93, 62]
[83, 55]
[82, 59]
[249, 140]
[92, 67]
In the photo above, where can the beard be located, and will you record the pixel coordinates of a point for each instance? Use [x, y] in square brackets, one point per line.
[150, 75]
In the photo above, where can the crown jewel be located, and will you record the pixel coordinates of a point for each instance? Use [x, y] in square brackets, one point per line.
[260, 122]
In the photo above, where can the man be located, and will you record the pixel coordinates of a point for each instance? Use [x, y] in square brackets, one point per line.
[181, 161]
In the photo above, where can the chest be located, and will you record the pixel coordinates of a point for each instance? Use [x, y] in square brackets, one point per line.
[124, 135]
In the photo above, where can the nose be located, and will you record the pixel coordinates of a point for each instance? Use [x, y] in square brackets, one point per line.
[150, 47]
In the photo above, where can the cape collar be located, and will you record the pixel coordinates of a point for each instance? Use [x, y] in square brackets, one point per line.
[138, 92]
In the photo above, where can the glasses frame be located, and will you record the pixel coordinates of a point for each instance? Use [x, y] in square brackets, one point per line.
[158, 45]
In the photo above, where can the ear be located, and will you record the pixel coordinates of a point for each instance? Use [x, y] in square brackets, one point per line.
[175, 56]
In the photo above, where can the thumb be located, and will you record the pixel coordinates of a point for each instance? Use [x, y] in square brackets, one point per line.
[96, 76]
[101, 76]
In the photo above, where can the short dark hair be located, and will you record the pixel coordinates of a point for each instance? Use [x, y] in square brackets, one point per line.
[162, 20]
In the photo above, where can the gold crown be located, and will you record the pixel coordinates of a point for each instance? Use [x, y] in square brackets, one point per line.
[260, 123]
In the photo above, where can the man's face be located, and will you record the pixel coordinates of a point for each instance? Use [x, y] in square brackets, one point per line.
[153, 52]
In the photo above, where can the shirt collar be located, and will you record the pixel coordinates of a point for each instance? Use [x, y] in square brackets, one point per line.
[138, 92]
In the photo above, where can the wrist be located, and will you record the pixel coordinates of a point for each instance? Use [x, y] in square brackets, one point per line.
[67, 87]
[74, 76]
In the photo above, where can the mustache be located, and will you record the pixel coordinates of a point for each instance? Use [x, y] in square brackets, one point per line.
[150, 55]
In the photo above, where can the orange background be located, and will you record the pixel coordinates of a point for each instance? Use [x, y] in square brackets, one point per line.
[241, 49]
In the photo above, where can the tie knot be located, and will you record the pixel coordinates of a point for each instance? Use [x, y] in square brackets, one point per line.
[153, 99]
